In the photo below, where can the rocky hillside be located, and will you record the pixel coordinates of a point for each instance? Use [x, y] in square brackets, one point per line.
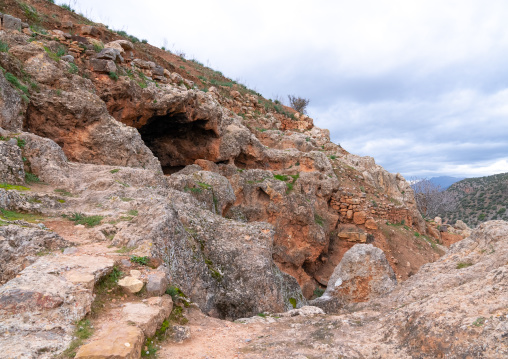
[480, 199]
[127, 170]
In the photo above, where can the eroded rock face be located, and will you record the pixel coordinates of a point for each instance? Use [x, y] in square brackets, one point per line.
[12, 106]
[78, 122]
[224, 266]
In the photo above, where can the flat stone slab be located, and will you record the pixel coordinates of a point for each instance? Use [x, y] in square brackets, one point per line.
[115, 342]
[148, 316]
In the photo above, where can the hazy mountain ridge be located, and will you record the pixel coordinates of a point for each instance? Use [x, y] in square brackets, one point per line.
[445, 181]
[480, 199]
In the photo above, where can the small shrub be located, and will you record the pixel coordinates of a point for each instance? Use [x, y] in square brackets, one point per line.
[61, 51]
[115, 170]
[21, 143]
[175, 293]
[318, 292]
[140, 260]
[73, 69]
[30, 12]
[113, 76]
[332, 157]
[67, 7]
[98, 47]
[299, 104]
[132, 212]
[3, 47]
[479, 322]
[144, 41]
[31, 178]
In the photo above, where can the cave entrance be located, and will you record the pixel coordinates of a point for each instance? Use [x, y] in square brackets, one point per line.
[177, 141]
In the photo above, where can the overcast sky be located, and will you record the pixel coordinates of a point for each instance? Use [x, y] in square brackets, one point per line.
[421, 86]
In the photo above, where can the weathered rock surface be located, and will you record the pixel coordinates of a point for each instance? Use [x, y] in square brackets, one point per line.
[19, 247]
[11, 166]
[78, 121]
[445, 310]
[39, 307]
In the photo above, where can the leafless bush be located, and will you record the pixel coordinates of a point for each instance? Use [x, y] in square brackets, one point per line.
[431, 200]
[298, 103]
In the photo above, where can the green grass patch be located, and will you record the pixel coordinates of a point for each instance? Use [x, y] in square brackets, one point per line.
[203, 185]
[282, 178]
[123, 183]
[15, 82]
[319, 220]
[126, 199]
[63, 192]
[13, 187]
[88, 221]
[104, 289]
[83, 331]
[133, 212]
[479, 322]
[16, 216]
[461, 265]
[125, 249]
[115, 170]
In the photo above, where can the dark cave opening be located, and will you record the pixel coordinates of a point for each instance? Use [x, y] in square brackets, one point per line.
[177, 142]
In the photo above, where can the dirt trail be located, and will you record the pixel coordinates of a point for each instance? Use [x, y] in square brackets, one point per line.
[213, 338]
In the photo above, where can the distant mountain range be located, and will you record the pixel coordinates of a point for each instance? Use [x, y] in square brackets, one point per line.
[445, 181]
[480, 199]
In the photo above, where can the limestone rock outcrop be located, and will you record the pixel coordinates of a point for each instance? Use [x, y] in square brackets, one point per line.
[362, 274]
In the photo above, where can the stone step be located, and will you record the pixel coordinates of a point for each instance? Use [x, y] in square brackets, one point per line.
[123, 340]
[39, 307]
[117, 341]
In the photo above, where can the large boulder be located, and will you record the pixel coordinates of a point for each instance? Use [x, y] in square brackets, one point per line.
[362, 274]
[225, 267]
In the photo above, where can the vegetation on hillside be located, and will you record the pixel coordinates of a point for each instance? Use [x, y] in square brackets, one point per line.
[480, 199]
